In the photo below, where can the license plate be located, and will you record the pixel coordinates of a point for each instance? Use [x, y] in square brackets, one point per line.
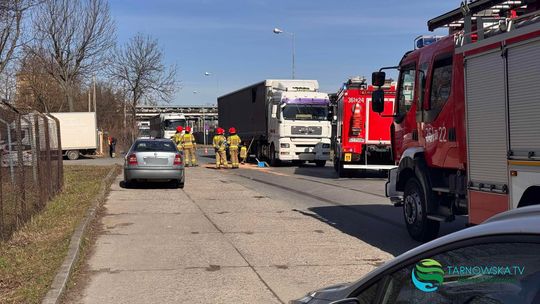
[156, 161]
[348, 157]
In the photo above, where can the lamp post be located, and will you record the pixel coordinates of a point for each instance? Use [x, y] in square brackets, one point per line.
[278, 31]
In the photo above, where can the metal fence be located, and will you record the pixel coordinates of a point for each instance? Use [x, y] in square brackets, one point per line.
[31, 168]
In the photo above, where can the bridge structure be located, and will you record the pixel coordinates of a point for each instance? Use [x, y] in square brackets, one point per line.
[197, 115]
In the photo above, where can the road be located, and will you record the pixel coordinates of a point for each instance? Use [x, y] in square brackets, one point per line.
[264, 235]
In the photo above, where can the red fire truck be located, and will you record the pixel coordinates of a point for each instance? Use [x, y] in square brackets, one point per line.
[466, 125]
[361, 137]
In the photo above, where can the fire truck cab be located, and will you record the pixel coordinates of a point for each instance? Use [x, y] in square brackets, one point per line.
[361, 137]
[464, 117]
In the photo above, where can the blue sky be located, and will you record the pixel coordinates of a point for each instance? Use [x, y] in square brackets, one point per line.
[233, 39]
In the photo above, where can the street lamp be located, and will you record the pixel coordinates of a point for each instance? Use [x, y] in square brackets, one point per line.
[278, 31]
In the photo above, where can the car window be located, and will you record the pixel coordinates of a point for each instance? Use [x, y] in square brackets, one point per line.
[367, 296]
[441, 84]
[406, 89]
[154, 146]
[485, 273]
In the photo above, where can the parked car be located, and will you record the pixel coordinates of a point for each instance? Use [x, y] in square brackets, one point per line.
[495, 262]
[154, 160]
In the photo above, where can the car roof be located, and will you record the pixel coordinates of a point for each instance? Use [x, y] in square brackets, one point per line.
[521, 221]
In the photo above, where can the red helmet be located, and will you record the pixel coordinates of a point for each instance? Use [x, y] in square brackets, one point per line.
[188, 129]
[232, 130]
[220, 131]
[179, 129]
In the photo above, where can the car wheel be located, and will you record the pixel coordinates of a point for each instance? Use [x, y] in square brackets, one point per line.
[73, 154]
[128, 184]
[420, 228]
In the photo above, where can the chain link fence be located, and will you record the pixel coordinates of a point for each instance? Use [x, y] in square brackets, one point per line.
[31, 168]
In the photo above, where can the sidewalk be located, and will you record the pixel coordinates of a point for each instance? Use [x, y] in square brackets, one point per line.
[215, 242]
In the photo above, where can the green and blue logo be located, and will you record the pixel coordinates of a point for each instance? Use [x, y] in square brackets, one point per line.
[427, 275]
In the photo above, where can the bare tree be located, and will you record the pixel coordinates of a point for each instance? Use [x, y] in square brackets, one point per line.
[72, 37]
[11, 23]
[140, 69]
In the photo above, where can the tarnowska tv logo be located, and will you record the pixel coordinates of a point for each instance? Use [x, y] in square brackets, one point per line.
[427, 275]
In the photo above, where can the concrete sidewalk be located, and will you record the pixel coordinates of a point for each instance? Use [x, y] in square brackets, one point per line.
[215, 242]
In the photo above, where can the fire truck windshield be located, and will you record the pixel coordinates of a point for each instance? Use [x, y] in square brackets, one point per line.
[171, 124]
[305, 112]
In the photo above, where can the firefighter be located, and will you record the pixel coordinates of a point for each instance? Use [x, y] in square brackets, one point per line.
[234, 142]
[243, 153]
[220, 145]
[190, 147]
[177, 137]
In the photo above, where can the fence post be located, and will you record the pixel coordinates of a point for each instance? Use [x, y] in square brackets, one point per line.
[22, 188]
[48, 155]
[59, 154]
[39, 163]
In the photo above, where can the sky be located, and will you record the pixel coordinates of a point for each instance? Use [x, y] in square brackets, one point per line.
[233, 39]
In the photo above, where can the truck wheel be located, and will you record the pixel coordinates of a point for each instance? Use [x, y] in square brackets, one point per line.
[420, 228]
[320, 163]
[73, 154]
[338, 166]
[274, 162]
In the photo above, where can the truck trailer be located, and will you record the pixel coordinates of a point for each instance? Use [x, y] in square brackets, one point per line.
[361, 137]
[465, 132]
[287, 120]
[164, 125]
[78, 133]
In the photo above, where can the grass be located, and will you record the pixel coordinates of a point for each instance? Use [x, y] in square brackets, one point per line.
[30, 259]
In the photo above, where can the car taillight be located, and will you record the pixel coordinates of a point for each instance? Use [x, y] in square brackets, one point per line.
[177, 160]
[132, 159]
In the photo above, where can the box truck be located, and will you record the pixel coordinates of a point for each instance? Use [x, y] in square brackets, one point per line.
[78, 133]
[287, 120]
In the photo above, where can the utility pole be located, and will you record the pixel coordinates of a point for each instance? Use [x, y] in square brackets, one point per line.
[94, 79]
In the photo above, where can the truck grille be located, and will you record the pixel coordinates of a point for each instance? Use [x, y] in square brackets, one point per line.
[297, 130]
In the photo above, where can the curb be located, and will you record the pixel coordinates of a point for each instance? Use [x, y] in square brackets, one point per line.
[61, 279]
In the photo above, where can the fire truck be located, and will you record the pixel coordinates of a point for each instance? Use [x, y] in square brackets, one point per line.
[466, 125]
[361, 137]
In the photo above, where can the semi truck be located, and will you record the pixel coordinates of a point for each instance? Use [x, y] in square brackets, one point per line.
[286, 120]
[361, 137]
[164, 125]
[78, 133]
[465, 132]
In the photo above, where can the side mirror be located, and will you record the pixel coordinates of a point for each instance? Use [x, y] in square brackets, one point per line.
[378, 79]
[347, 301]
[274, 111]
[377, 101]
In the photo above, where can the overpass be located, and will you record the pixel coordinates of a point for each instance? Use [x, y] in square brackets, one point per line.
[196, 115]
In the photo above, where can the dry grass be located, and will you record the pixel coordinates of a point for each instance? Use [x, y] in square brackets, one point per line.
[29, 261]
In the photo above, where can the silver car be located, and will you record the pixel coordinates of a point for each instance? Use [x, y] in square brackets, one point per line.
[154, 160]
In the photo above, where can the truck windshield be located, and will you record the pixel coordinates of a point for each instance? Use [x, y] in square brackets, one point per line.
[171, 124]
[305, 112]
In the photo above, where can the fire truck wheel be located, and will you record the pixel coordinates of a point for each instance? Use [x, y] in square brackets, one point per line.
[420, 228]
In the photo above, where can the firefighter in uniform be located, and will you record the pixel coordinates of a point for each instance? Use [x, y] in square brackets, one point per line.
[234, 143]
[243, 153]
[220, 144]
[177, 138]
[189, 146]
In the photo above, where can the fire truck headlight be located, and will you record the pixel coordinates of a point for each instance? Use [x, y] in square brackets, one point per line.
[285, 145]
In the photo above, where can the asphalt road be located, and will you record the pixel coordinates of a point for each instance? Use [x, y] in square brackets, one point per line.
[355, 205]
